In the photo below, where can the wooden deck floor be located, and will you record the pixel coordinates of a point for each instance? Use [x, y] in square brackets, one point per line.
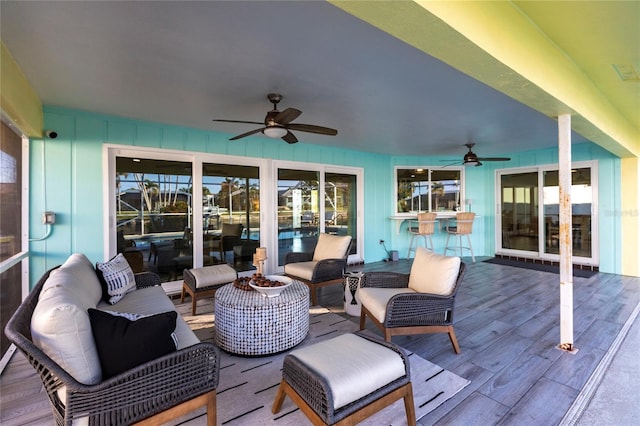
[507, 325]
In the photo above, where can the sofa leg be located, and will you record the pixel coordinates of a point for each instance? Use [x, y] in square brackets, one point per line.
[211, 409]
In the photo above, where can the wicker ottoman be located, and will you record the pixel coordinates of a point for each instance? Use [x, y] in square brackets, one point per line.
[249, 324]
[203, 282]
[371, 375]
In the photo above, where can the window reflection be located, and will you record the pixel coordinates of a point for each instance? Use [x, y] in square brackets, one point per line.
[424, 189]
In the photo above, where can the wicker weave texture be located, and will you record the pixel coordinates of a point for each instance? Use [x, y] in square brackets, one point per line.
[414, 309]
[249, 324]
[131, 396]
[315, 390]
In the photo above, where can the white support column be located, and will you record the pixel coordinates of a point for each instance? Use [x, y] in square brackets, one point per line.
[566, 253]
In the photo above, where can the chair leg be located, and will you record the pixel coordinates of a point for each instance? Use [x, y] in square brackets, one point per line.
[446, 244]
[314, 295]
[410, 246]
[193, 304]
[409, 408]
[182, 294]
[471, 248]
[454, 340]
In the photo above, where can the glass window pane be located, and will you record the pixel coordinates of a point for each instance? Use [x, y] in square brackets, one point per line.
[581, 199]
[231, 213]
[154, 211]
[422, 189]
[298, 210]
[519, 211]
[340, 205]
[445, 192]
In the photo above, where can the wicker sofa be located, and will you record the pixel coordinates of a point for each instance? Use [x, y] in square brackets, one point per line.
[53, 328]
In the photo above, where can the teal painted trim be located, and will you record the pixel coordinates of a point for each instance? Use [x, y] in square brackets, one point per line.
[73, 176]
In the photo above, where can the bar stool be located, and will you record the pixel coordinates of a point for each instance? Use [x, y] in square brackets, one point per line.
[464, 226]
[425, 229]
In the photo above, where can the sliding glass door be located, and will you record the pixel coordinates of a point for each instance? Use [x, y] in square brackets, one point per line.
[298, 211]
[170, 210]
[581, 207]
[231, 214]
[314, 201]
[530, 228]
[519, 211]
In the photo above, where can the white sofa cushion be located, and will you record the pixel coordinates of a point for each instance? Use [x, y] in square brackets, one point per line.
[78, 275]
[375, 299]
[118, 277]
[362, 366]
[433, 273]
[302, 270]
[60, 326]
[331, 246]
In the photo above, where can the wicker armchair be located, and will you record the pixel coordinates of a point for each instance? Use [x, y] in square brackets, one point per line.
[401, 310]
[322, 267]
[151, 393]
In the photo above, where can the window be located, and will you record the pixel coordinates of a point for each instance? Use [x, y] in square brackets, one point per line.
[421, 189]
[157, 215]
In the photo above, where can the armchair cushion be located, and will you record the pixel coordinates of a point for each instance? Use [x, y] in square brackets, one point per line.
[302, 270]
[331, 247]
[124, 343]
[433, 273]
[376, 299]
[117, 278]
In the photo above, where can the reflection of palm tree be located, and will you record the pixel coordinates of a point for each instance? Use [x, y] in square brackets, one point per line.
[149, 190]
[227, 186]
[119, 177]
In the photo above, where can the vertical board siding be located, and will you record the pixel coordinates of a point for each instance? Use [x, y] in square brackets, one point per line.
[74, 182]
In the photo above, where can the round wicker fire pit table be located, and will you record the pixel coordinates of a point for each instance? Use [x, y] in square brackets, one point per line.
[247, 323]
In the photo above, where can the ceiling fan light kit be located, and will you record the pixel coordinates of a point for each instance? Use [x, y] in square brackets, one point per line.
[274, 132]
[278, 124]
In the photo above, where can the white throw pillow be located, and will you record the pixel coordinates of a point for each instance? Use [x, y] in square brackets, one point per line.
[118, 277]
[331, 246]
[433, 273]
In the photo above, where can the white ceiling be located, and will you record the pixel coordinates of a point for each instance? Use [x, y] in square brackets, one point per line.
[186, 63]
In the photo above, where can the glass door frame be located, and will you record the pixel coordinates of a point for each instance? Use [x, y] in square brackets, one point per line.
[541, 254]
[268, 195]
[196, 159]
[322, 169]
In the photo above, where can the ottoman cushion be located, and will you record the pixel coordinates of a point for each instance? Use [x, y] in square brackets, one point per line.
[352, 366]
[212, 275]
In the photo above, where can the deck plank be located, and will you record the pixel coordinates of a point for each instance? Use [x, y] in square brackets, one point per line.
[507, 325]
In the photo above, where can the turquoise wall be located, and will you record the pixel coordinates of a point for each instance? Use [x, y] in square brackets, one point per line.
[70, 169]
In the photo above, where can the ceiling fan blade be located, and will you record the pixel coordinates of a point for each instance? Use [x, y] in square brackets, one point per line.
[252, 132]
[494, 159]
[450, 162]
[289, 138]
[288, 115]
[239, 121]
[310, 128]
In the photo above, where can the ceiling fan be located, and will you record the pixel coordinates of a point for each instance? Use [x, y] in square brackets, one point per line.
[279, 124]
[471, 159]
